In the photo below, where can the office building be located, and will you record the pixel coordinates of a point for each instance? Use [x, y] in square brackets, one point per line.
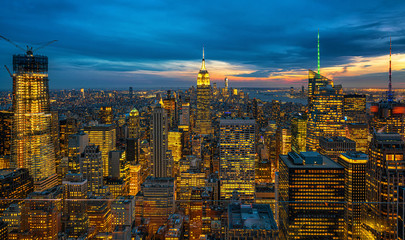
[334, 146]
[385, 172]
[354, 110]
[103, 136]
[6, 124]
[310, 195]
[14, 184]
[32, 146]
[358, 132]
[237, 158]
[355, 191]
[91, 166]
[75, 211]
[254, 221]
[133, 124]
[159, 143]
[299, 133]
[106, 115]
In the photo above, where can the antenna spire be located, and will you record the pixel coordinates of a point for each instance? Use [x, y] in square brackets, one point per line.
[319, 57]
[390, 93]
[203, 60]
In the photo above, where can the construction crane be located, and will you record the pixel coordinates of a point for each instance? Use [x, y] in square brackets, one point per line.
[29, 49]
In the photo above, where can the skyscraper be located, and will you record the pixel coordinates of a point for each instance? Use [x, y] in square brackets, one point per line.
[355, 191]
[237, 158]
[159, 145]
[103, 136]
[6, 123]
[32, 146]
[133, 124]
[325, 115]
[91, 166]
[385, 172]
[355, 108]
[311, 192]
[299, 133]
[334, 146]
[203, 120]
[106, 115]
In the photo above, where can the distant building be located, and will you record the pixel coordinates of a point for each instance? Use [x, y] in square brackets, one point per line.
[106, 115]
[91, 166]
[133, 124]
[299, 133]
[355, 108]
[358, 132]
[103, 136]
[254, 221]
[310, 195]
[6, 121]
[203, 119]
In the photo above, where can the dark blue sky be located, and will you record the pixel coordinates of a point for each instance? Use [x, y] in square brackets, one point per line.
[117, 44]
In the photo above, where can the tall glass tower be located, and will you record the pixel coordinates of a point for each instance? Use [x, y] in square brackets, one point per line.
[32, 146]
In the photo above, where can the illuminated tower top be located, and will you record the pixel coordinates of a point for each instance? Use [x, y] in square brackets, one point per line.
[203, 76]
[319, 56]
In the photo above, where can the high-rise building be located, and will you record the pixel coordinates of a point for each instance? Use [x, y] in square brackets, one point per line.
[135, 178]
[103, 136]
[325, 114]
[170, 104]
[130, 92]
[41, 214]
[75, 211]
[203, 120]
[100, 216]
[6, 123]
[385, 172]
[299, 133]
[91, 166]
[310, 194]
[355, 108]
[159, 133]
[14, 184]
[334, 146]
[106, 115]
[155, 202]
[32, 146]
[237, 158]
[175, 145]
[355, 191]
[358, 132]
[283, 141]
[133, 124]
[67, 127]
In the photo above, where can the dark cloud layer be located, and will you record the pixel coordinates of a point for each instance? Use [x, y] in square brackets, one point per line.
[96, 37]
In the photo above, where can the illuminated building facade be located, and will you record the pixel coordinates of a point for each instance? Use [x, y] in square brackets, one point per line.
[6, 123]
[203, 119]
[283, 140]
[355, 108]
[40, 217]
[185, 114]
[123, 210]
[155, 202]
[175, 145]
[133, 124]
[237, 158]
[91, 166]
[67, 127]
[170, 104]
[14, 184]
[325, 115]
[103, 136]
[106, 115]
[75, 211]
[159, 133]
[358, 132]
[355, 191]
[385, 172]
[100, 216]
[311, 192]
[388, 117]
[12, 216]
[135, 178]
[401, 213]
[315, 81]
[334, 146]
[32, 146]
[299, 133]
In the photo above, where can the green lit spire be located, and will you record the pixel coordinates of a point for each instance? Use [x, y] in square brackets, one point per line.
[319, 57]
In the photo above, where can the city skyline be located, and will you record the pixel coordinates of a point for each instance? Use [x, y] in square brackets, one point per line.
[158, 44]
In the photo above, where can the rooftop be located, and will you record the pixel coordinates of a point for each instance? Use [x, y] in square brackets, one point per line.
[253, 216]
[308, 160]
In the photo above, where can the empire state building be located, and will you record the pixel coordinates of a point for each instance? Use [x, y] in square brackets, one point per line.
[203, 121]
